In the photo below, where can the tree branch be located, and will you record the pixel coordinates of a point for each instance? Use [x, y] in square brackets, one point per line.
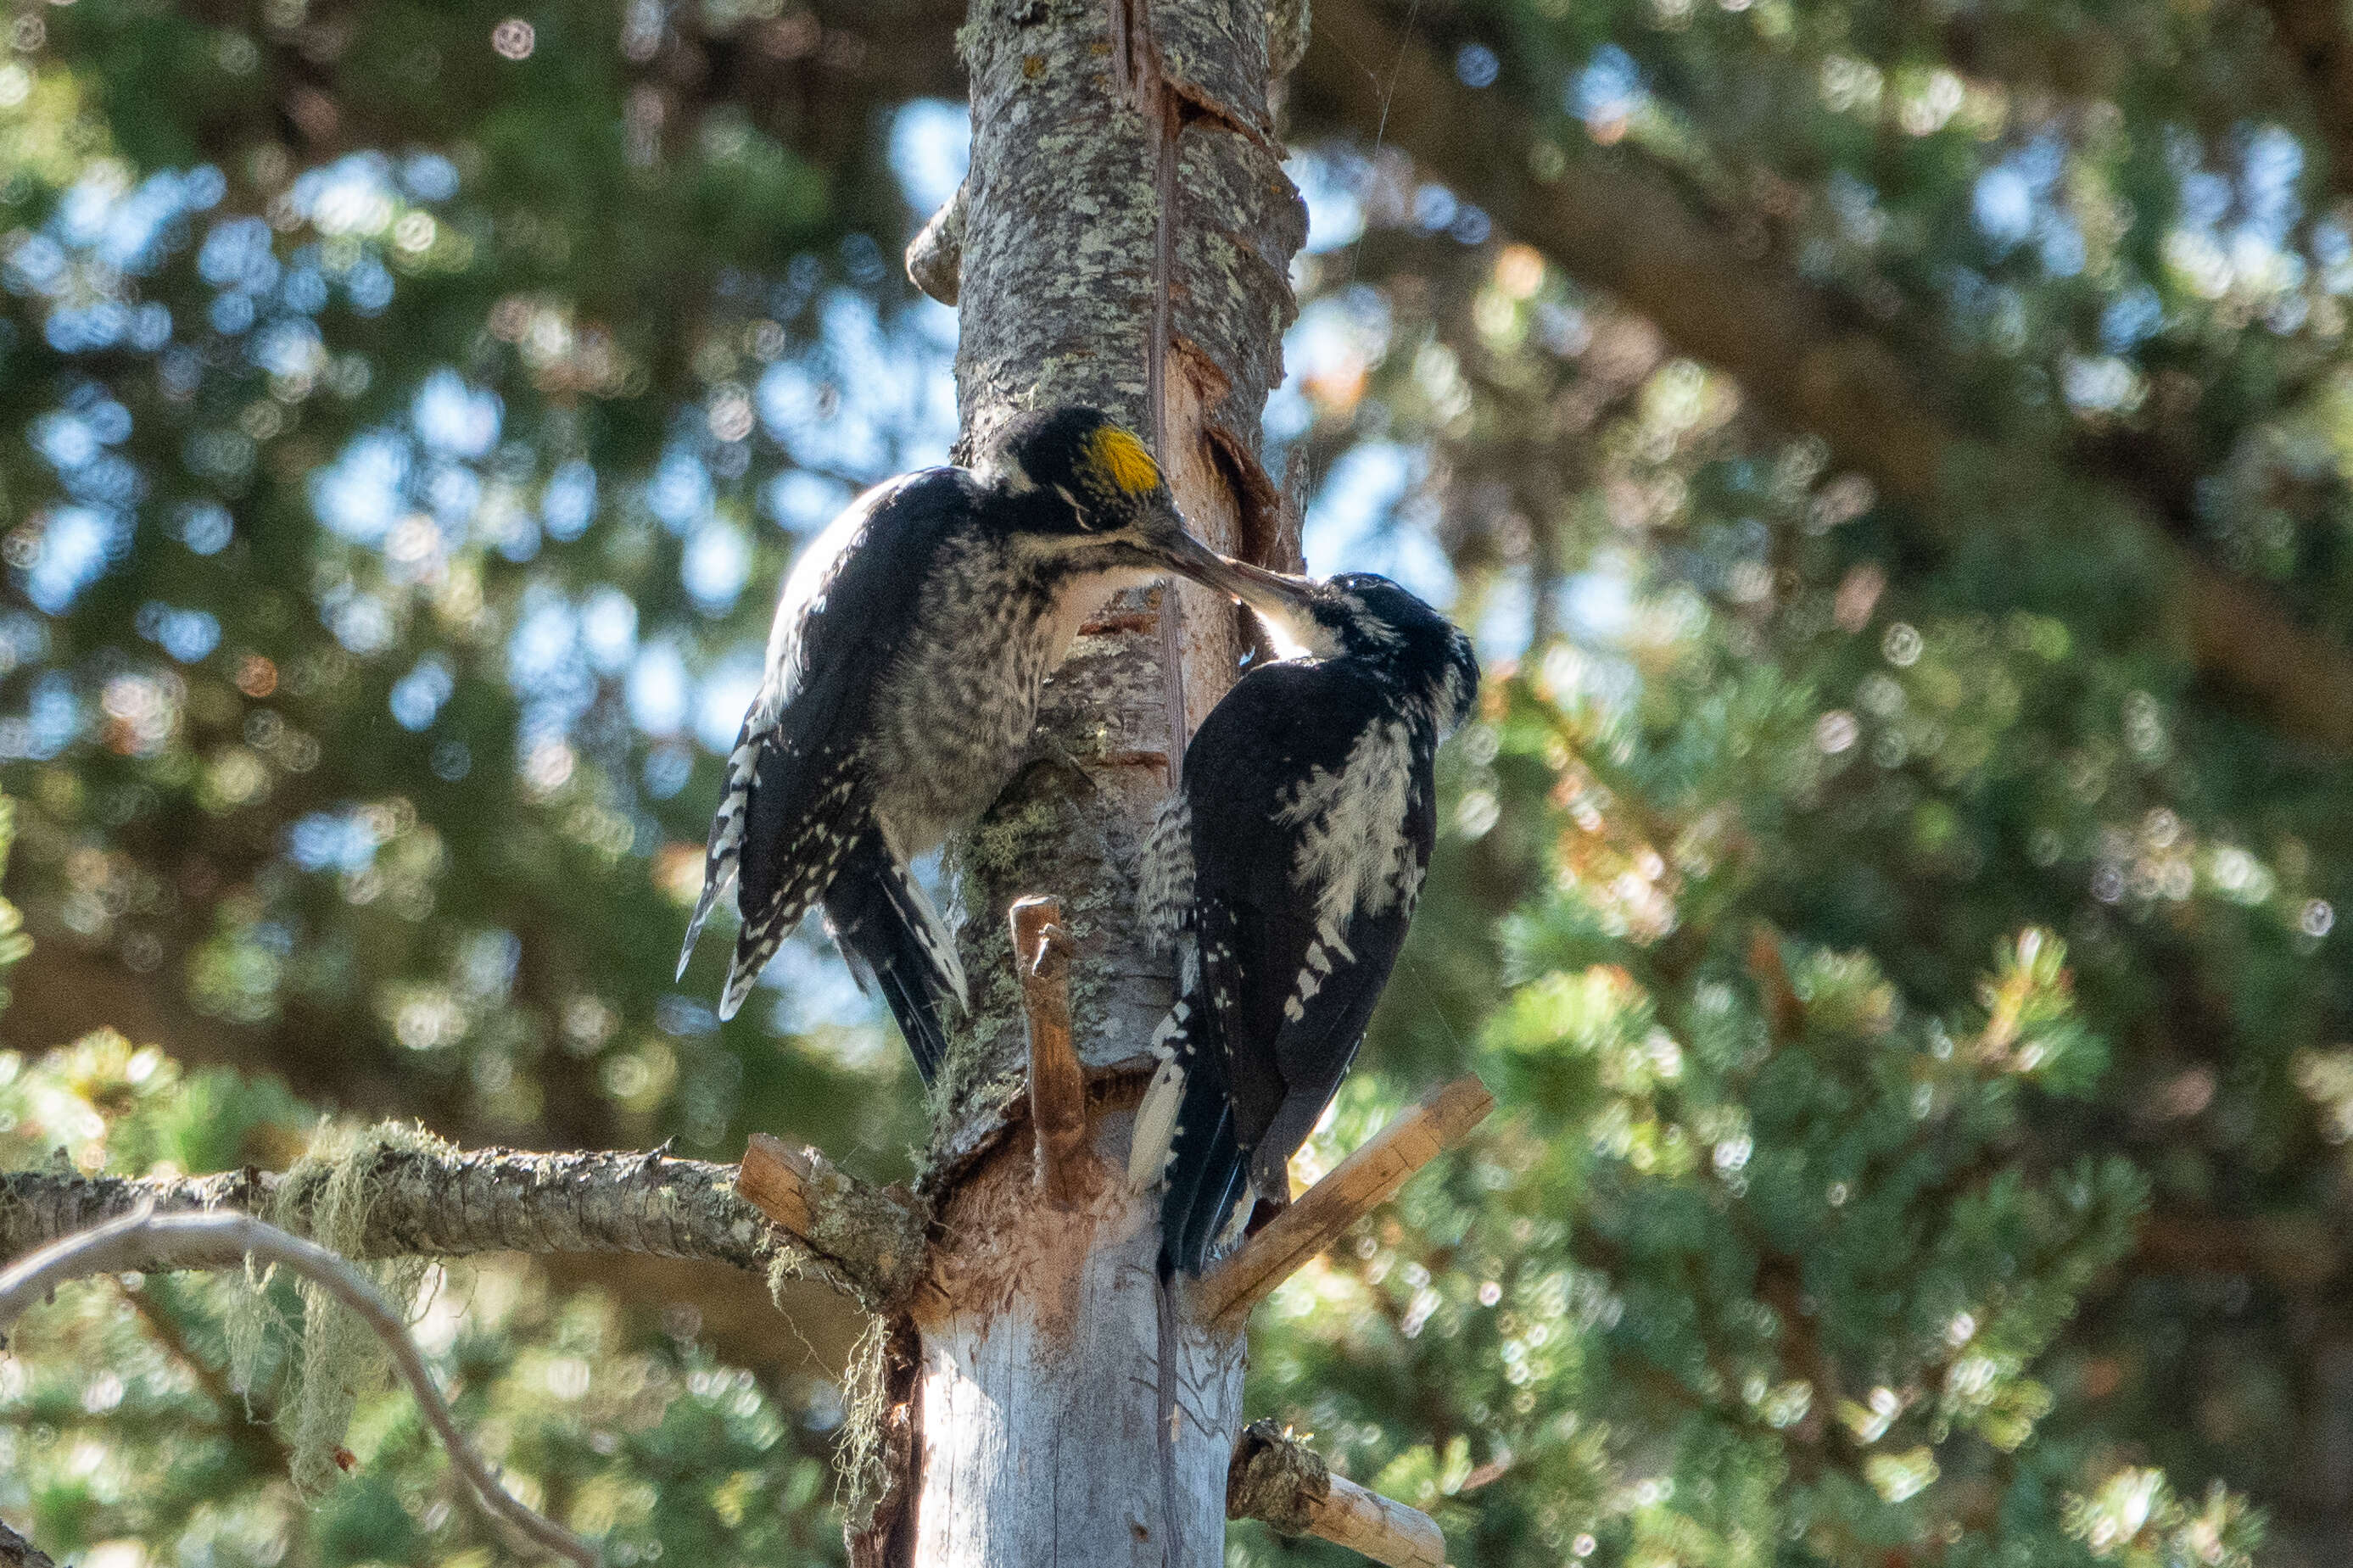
[1284, 1483]
[1362, 1183]
[1630, 233]
[459, 1204]
[1058, 1087]
[16, 1551]
[875, 1236]
[144, 1240]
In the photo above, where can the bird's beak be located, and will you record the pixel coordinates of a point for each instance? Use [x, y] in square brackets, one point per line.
[1270, 592]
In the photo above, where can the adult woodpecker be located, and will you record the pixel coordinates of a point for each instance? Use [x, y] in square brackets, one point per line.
[1285, 870]
[902, 680]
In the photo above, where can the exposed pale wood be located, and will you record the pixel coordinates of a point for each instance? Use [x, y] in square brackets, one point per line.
[1280, 1481]
[1376, 1527]
[228, 1241]
[1362, 1182]
[1038, 1425]
[874, 1236]
[1058, 1088]
[1137, 262]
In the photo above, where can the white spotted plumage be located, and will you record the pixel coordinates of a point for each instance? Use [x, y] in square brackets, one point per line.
[1310, 817]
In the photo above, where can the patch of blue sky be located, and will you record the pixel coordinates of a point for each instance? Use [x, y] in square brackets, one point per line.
[1504, 613]
[354, 194]
[186, 635]
[455, 418]
[429, 177]
[76, 547]
[1609, 88]
[569, 502]
[931, 149]
[417, 696]
[814, 991]
[150, 327]
[361, 493]
[547, 667]
[204, 526]
[53, 716]
[1352, 523]
[608, 629]
[304, 289]
[716, 563]
[679, 493]
[66, 439]
[37, 266]
[1332, 185]
[237, 254]
[110, 479]
[332, 841]
[544, 646]
[452, 491]
[1597, 606]
[659, 690]
[720, 702]
[2272, 160]
[362, 623]
[368, 286]
[22, 640]
[804, 502]
[230, 313]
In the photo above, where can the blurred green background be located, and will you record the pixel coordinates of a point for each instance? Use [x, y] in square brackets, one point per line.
[1908, 957]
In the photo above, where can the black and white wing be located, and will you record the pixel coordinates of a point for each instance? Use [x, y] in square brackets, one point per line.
[795, 813]
[1310, 815]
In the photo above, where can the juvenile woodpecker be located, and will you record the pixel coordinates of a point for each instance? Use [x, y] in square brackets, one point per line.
[1285, 870]
[902, 680]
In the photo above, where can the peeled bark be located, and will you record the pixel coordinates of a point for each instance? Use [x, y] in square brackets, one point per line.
[1125, 242]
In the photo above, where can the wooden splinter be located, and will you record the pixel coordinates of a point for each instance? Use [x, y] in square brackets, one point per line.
[1058, 1088]
[873, 1237]
[783, 1181]
[1361, 1182]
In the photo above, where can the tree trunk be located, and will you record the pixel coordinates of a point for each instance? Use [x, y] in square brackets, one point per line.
[1126, 236]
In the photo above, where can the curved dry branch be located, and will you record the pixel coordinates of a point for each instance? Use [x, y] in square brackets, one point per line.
[144, 1240]
[461, 1203]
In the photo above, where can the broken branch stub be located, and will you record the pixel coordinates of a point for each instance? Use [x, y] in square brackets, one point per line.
[1279, 1480]
[1058, 1086]
[873, 1237]
[1360, 1184]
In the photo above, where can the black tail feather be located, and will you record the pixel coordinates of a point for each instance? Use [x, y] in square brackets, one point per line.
[1204, 1170]
[870, 912]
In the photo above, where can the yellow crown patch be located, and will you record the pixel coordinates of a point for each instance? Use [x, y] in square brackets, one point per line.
[1123, 458]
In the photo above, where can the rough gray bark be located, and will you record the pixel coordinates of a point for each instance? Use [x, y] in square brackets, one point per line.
[1126, 235]
[496, 1200]
[492, 1200]
[16, 1551]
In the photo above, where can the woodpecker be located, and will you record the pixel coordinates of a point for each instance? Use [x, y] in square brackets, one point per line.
[902, 677]
[1284, 870]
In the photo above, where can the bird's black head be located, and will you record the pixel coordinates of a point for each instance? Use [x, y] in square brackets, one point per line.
[1363, 616]
[1094, 500]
